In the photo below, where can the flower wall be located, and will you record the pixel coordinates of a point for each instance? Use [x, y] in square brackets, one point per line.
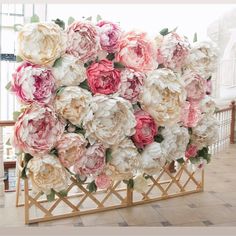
[101, 104]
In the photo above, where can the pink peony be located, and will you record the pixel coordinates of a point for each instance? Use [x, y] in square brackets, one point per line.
[103, 181]
[131, 84]
[94, 161]
[103, 78]
[71, 148]
[136, 51]
[37, 130]
[110, 34]
[195, 86]
[191, 151]
[83, 41]
[32, 83]
[172, 51]
[145, 129]
[190, 114]
[209, 87]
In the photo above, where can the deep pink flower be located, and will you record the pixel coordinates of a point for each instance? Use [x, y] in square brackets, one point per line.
[110, 34]
[145, 129]
[103, 181]
[103, 78]
[32, 83]
[191, 151]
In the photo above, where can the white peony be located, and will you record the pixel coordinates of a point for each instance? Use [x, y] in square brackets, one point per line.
[72, 103]
[71, 72]
[176, 139]
[208, 105]
[203, 58]
[47, 173]
[41, 43]
[110, 120]
[140, 184]
[206, 132]
[125, 160]
[152, 158]
[162, 96]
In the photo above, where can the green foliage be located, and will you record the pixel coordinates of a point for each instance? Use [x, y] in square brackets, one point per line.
[17, 27]
[8, 86]
[54, 151]
[16, 114]
[51, 196]
[158, 138]
[195, 37]
[59, 22]
[108, 155]
[99, 18]
[19, 59]
[164, 31]
[58, 62]
[89, 18]
[84, 85]
[118, 65]
[60, 90]
[70, 20]
[34, 19]
[110, 56]
[180, 160]
[92, 187]
[130, 183]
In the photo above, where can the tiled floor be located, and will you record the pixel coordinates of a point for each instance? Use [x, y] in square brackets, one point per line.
[214, 207]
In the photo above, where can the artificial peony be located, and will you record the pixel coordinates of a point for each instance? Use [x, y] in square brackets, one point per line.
[37, 130]
[103, 181]
[110, 35]
[140, 184]
[83, 40]
[103, 78]
[162, 96]
[41, 43]
[33, 84]
[71, 72]
[208, 105]
[136, 51]
[110, 120]
[47, 173]
[71, 148]
[72, 103]
[131, 84]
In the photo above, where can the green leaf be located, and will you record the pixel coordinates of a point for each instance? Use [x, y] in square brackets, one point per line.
[87, 64]
[118, 65]
[164, 31]
[89, 18]
[110, 56]
[195, 37]
[34, 19]
[194, 160]
[8, 86]
[180, 160]
[78, 178]
[146, 176]
[60, 90]
[158, 138]
[63, 193]
[92, 187]
[99, 18]
[54, 151]
[160, 128]
[209, 78]
[130, 184]
[108, 155]
[140, 150]
[59, 22]
[70, 20]
[58, 62]
[23, 173]
[190, 130]
[19, 59]
[174, 30]
[17, 27]
[16, 114]
[27, 158]
[51, 196]
[84, 85]
[80, 130]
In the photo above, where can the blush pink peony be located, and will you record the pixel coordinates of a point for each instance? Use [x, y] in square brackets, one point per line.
[32, 83]
[136, 51]
[71, 148]
[145, 129]
[103, 181]
[37, 130]
[110, 34]
[103, 78]
[131, 84]
[191, 151]
[190, 114]
[93, 162]
[83, 41]
[195, 86]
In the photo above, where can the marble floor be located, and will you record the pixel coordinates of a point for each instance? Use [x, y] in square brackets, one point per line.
[216, 206]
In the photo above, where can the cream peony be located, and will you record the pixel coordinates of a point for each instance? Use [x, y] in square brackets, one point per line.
[203, 58]
[206, 132]
[152, 159]
[71, 72]
[124, 161]
[208, 105]
[110, 120]
[140, 184]
[162, 96]
[41, 43]
[47, 173]
[176, 139]
[72, 103]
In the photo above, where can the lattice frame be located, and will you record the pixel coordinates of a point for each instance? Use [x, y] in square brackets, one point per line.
[38, 209]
